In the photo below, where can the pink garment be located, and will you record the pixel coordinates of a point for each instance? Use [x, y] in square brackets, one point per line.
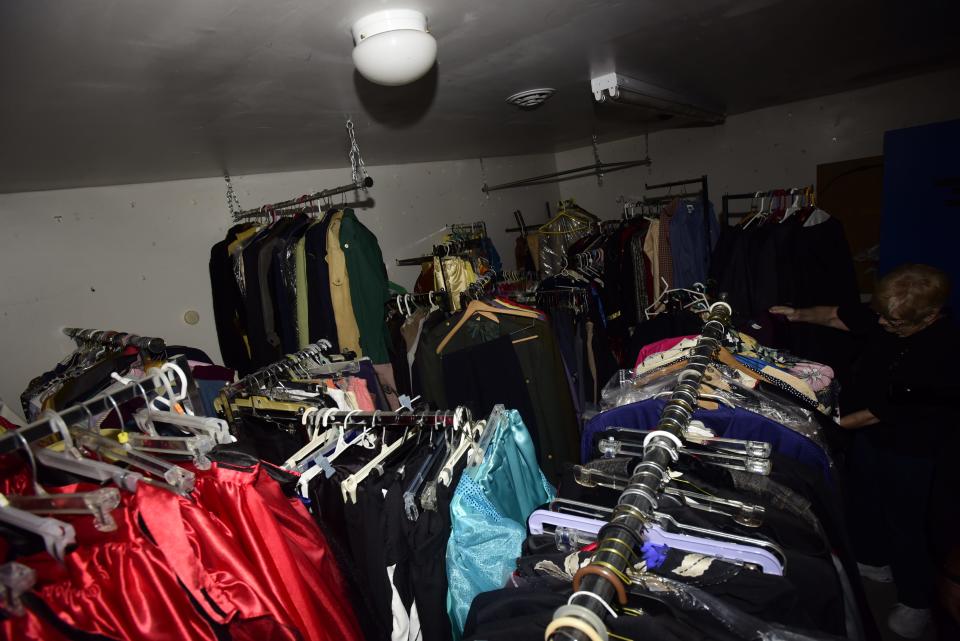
[659, 346]
[384, 372]
[817, 375]
[359, 388]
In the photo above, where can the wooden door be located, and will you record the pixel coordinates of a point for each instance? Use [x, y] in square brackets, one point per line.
[852, 191]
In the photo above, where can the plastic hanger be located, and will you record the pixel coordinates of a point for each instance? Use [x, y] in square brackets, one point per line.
[348, 486]
[176, 477]
[746, 514]
[57, 536]
[461, 424]
[16, 579]
[666, 530]
[794, 205]
[214, 428]
[611, 447]
[99, 504]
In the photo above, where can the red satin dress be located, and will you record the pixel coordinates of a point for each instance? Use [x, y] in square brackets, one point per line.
[236, 560]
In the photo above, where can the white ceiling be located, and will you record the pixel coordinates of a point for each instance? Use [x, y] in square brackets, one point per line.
[117, 91]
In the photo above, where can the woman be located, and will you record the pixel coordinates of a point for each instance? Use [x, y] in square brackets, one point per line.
[898, 405]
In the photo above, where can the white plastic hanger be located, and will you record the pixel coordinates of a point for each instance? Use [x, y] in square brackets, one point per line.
[56, 535]
[467, 444]
[318, 440]
[794, 206]
[348, 487]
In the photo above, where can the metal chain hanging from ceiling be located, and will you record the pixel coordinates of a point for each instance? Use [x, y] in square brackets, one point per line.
[233, 203]
[357, 167]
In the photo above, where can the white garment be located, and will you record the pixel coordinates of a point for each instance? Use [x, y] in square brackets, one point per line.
[340, 398]
[816, 217]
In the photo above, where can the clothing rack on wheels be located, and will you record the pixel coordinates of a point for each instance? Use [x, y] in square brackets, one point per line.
[703, 192]
[597, 585]
[294, 205]
[109, 338]
[145, 388]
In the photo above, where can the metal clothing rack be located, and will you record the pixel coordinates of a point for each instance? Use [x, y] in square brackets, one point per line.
[605, 578]
[753, 195]
[417, 298]
[725, 211]
[597, 169]
[395, 419]
[450, 248]
[148, 387]
[477, 229]
[114, 339]
[276, 208]
[288, 364]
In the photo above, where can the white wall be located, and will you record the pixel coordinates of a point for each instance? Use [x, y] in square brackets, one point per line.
[134, 257]
[768, 148]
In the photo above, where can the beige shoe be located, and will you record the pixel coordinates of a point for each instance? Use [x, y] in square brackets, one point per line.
[878, 573]
[910, 623]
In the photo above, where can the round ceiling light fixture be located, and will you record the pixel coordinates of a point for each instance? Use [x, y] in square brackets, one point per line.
[393, 47]
[531, 98]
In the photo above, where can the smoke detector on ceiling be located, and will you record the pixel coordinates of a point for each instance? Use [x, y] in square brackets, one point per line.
[531, 98]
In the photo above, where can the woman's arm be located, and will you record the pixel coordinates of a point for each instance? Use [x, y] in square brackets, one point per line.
[858, 419]
[824, 315]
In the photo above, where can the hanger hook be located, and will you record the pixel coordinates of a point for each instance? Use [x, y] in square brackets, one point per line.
[119, 414]
[33, 462]
[57, 422]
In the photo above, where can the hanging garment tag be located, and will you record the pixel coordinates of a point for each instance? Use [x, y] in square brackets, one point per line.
[407, 402]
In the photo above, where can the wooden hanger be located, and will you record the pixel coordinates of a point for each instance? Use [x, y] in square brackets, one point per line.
[480, 307]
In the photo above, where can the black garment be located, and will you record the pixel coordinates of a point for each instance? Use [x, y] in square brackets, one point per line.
[427, 540]
[397, 349]
[261, 324]
[571, 339]
[900, 380]
[265, 438]
[542, 370]
[887, 508]
[322, 321]
[229, 311]
[769, 597]
[799, 504]
[661, 326]
[92, 381]
[367, 523]
[284, 283]
[522, 614]
[786, 264]
[481, 376]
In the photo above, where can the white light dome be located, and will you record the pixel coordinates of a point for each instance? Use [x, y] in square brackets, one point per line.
[393, 47]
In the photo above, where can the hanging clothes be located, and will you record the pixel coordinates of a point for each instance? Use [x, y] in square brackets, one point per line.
[282, 286]
[489, 512]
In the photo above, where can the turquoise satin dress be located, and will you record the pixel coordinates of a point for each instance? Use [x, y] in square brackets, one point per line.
[489, 514]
